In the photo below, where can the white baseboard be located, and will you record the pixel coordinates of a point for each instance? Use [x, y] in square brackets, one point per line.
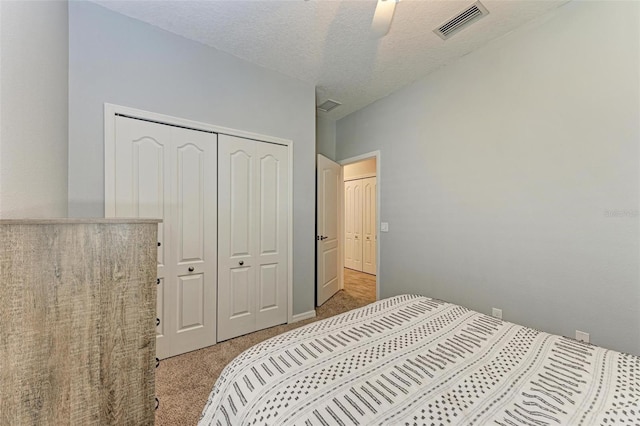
[303, 316]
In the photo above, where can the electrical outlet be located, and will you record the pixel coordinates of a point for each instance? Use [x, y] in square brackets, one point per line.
[582, 336]
[384, 226]
[497, 313]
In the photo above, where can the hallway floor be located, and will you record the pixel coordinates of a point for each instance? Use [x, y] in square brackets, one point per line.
[360, 285]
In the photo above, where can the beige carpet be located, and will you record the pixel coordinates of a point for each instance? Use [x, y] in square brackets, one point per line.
[184, 382]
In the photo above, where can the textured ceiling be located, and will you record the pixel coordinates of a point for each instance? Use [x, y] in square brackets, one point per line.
[328, 43]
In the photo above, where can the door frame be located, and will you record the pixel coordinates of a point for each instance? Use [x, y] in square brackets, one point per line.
[377, 155]
[112, 110]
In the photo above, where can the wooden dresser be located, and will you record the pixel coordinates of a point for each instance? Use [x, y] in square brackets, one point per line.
[77, 321]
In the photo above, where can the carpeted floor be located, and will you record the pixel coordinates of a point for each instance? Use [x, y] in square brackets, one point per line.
[184, 382]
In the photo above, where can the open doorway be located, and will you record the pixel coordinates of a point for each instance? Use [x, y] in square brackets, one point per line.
[348, 187]
[360, 225]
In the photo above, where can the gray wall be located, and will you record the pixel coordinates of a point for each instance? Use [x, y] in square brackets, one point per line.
[123, 61]
[510, 178]
[326, 137]
[33, 108]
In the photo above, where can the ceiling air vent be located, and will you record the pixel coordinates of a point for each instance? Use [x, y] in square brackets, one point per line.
[461, 20]
[328, 105]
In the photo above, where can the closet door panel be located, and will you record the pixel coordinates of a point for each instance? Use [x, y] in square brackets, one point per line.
[349, 224]
[191, 294]
[353, 224]
[190, 302]
[167, 172]
[140, 169]
[253, 235]
[272, 220]
[269, 194]
[148, 173]
[237, 237]
[357, 225]
[238, 192]
[242, 297]
[142, 184]
[190, 205]
[369, 225]
[241, 201]
[268, 287]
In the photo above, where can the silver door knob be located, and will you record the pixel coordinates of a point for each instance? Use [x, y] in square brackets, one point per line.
[191, 269]
[241, 263]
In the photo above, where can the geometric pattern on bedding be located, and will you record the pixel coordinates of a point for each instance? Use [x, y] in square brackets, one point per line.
[412, 360]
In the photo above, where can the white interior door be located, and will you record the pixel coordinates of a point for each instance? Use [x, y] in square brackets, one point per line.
[272, 241]
[142, 185]
[349, 215]
[353, 224]
[369, 233]
[191, 296]
[236, 237]
[253, 229]
[328, 253]
[166, 172]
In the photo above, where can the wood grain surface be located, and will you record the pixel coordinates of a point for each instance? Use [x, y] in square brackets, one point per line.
[77, 323]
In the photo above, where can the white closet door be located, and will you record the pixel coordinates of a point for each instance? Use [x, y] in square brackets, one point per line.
[369, 225]
[271, 244]
[353, 224]
[236, 236]
[349, 215]
[170, 173]
[142, 166]
[252, 237]
[193, 293]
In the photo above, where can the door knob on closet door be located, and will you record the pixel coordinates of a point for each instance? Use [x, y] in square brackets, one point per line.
[367, 238]
[241, 263]
[191, 269]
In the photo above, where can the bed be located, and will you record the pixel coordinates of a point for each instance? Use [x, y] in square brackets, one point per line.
[412, 360]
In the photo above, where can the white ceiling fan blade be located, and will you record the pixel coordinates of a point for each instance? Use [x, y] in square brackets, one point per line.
[382, 17]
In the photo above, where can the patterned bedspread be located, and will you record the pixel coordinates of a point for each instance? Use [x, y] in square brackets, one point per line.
[411, 360]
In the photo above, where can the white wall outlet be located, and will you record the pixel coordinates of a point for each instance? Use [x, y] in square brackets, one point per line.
[384, 226]
[582, 336]
[496, 313]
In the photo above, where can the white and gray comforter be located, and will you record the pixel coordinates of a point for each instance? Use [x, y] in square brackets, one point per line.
[411, 360]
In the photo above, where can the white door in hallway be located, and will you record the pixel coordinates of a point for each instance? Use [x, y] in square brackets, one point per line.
[328, 249]
[360, 224]
[253, 235]
[167, 172]
[369, 233]
[353, 224]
